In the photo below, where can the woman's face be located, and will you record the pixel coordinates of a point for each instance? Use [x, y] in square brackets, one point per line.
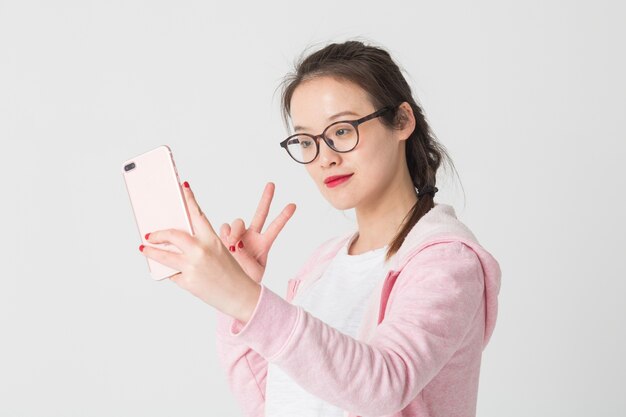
[378, 157]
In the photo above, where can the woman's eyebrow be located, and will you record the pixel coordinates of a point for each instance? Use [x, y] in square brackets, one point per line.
[343, 113]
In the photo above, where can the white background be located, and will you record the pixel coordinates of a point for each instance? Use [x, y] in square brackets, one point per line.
[529, 97]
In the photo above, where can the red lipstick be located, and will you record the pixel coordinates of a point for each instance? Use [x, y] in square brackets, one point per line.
[335, 180]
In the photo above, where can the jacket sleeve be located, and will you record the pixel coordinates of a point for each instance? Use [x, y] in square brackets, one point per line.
[433, 302]
[246, 370]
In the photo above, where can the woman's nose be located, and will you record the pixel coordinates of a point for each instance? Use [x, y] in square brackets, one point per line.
[327, 155]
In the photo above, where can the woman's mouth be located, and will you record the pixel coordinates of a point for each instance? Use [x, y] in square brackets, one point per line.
[337, 181]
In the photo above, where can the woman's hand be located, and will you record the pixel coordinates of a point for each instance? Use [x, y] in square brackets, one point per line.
[208, 270]
[249, 246]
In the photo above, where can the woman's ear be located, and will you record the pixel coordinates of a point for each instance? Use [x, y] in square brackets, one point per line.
[405, 121]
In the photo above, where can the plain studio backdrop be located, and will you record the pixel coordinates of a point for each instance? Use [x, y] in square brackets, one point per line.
[528, 97]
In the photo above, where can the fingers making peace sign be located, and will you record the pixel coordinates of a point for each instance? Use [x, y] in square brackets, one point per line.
[251, 246]
[228, 281]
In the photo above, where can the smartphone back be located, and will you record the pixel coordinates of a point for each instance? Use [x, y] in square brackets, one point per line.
[157, 200]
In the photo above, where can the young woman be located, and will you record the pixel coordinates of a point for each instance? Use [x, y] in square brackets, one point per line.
[388, 320]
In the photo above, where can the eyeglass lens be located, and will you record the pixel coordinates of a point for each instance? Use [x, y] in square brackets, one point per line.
[342, 137]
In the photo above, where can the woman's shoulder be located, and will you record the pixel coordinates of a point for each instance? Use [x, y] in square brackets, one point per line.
[444, 253]
[439, 224]
[439, 235]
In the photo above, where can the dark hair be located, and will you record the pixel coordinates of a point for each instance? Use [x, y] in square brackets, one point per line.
[373, 69]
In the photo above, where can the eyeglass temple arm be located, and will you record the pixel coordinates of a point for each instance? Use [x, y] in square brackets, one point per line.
[373, 115]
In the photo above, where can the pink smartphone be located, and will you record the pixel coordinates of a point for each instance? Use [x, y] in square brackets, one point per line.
[157, 200]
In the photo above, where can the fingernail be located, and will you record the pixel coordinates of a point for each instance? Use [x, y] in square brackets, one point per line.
[231, 248]
[147, 236]
[186, 184]
[141, 247]
[240, 244]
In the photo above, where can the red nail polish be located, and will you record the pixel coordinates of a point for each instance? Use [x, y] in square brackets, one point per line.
[240, 244]
[232, 248]
[141, 247]
[186, 184]
[147, 236]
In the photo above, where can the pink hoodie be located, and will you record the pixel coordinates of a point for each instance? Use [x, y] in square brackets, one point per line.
[418, 351]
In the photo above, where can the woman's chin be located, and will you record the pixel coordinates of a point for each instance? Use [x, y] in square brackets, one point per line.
[339, 199]
[341, 203]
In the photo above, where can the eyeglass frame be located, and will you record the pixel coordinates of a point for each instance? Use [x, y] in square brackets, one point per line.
[354, 123]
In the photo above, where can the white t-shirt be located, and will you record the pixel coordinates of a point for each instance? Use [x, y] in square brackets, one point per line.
[339, 299]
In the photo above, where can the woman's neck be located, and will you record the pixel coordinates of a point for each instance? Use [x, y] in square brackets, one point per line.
[380, 221]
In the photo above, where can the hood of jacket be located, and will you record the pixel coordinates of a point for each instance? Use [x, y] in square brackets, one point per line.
[441, 224]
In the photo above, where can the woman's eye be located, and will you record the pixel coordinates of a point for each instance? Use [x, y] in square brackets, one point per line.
[305, 143]
[343, 131]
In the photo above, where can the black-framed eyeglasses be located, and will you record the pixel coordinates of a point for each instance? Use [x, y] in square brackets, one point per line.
[341, 136]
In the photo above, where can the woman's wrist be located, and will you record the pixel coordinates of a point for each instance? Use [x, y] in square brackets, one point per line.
[248, 293]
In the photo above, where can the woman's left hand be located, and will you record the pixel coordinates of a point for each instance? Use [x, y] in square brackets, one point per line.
[208, 269]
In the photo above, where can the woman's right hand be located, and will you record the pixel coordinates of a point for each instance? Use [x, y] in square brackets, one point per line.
[252, 256]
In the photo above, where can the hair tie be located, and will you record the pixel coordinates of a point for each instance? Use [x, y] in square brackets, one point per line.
[427, 189]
